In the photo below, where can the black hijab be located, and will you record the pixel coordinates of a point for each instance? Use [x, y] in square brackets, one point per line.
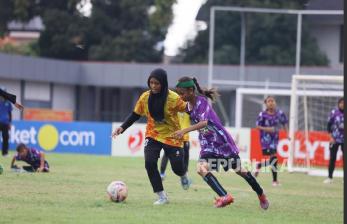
[156, 102]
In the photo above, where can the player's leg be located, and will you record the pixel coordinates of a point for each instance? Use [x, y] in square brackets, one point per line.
[186, 155]
[264, 163]
[5, 137]
[176, 157]
[235, 163]
[273, 163]
[152, 153]
[333, 152]
[163, 165]
[203, 169]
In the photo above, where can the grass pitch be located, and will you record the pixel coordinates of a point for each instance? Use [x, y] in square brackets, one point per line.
[75, 192]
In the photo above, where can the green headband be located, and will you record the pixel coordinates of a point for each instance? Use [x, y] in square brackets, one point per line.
[186, 84]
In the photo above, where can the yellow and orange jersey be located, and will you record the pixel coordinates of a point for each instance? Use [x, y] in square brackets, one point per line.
[162, 131]
[185, 123]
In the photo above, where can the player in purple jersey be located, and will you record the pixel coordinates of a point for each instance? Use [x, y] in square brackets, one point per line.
[33, 157]
[269, 122]
[217, 146]
[336, 129]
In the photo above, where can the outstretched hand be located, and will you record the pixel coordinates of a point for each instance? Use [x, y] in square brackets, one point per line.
[117, 132]
[178, 134]
[19, 106]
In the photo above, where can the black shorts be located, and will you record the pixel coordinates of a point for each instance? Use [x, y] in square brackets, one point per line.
[269, 152]
[233, 162]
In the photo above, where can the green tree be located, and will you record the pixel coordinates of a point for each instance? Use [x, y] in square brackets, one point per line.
[121, 30]
[127, 30]
[270, 38]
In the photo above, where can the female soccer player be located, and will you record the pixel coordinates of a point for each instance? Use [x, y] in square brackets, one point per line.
[33, 157]
[184, 122]
[217, 146]
[161, 106]
[268, 122]
[336, 128]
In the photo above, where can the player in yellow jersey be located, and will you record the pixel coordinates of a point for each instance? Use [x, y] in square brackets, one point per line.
[185, 123]
[161, 106]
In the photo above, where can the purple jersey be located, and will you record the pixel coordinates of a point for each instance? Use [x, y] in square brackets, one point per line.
[32, 158]
[214, 139]
[269, 140]
[336, 126]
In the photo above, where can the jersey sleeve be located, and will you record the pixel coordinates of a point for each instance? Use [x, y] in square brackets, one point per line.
[259, 121]
[180, 105]
[140, 105]
[283, 118]
[330, 120]
[17, 157]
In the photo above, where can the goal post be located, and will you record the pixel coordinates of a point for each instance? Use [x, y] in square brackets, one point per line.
[312, 98]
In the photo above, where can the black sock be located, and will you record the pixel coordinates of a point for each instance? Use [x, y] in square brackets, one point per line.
[273, 163]
[212, 181]
[253, 183]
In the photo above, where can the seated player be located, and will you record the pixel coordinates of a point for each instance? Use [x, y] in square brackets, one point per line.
[33, 157]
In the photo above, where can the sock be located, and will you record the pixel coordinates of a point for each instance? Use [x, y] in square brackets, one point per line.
[253, 183]
[161, 194]
[273, 163]
[212, 181]
[185, 176]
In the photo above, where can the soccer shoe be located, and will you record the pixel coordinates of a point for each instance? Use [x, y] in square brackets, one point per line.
[328, 181]
[223, 201]
[162, 176]
[264, 203]
[276, 184]
[161, 201]
[185, 182]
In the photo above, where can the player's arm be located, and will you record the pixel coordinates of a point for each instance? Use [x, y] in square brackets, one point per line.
[266, 129]
[126, 124]
[260, 122]
[134, 116]
[13, 161]
[11, 98]
[179, 134]
[42, 162]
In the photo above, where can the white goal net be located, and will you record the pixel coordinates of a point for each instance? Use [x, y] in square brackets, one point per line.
[313, 97]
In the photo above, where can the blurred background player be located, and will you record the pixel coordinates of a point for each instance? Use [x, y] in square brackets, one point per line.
[217, 146]
[33, 157]
[184, 122]
[5, 122]
[336, 129]
[269, 122]
[161, 106]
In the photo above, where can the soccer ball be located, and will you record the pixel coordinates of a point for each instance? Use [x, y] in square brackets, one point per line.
[117, 191]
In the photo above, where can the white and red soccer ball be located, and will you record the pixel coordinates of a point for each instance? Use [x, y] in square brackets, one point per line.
[117, 191]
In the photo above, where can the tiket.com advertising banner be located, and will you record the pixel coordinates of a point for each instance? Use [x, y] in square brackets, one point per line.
[316, 148]
[63, 137]
[131, 142]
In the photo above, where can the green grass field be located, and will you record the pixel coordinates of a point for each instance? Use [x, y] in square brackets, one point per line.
[75, 192]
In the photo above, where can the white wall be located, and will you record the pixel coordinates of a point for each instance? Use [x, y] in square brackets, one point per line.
[39, 91]
[328, 39]
[13, 87]
[64, 97]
